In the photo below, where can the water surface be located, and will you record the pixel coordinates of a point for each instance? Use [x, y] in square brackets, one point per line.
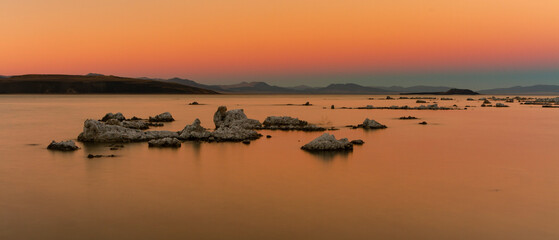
[480, 173]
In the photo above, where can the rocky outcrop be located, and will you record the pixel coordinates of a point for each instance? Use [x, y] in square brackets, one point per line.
[118, 116]
[235, 117]
[163, 117]
[289, 123]
[235, 134]
[135, 124]
[328, 142]
[165, 142]
[371, 124]
[113, 121]
[95, 131]
[194, 132]
[63, 146]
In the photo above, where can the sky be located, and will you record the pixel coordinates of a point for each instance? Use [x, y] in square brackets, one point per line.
[459, 43]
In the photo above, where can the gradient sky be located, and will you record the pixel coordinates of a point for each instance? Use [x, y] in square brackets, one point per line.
[463, 43]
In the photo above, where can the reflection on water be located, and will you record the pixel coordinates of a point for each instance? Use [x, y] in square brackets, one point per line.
[481, 173]
[328, 156]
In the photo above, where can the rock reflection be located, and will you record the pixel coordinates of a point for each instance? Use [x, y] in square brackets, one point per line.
[329, 156]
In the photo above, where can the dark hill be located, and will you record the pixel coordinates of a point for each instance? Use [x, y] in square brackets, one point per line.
[454, 91]
[61, 84]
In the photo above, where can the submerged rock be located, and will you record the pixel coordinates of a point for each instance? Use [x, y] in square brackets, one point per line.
[500, 105]
[99, 156]
[118, 116]
[408, 117]
[63, 146]
[328, 142]
[371, 124]
[423, 123]
[149, 135]
[235, 117]
[165, 142]
[357, 142]
[289, 123]
[194, 132]
[163, 117]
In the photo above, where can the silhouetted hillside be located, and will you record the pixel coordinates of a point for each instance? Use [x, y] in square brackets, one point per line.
[91, 84]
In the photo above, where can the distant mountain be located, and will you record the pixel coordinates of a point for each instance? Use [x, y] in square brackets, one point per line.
[418, 88]
[94, 75]
[3, 76]
[61, 84]
[348, 88]
[454, 91]
[188, 82]
[301, 88]
[528, 90]
[255, 87]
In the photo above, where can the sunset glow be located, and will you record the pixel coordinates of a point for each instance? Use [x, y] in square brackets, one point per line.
[215, 41]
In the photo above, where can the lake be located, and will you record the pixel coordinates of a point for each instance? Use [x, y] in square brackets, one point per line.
[480, 173]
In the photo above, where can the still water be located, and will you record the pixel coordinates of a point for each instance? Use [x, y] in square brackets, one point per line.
[481, 173]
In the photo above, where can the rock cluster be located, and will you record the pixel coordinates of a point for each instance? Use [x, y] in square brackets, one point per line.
[96, 131]
[165, 142]
[289, 123]
[328, 142]
[406, 107]
[231, 126]
[63, 146]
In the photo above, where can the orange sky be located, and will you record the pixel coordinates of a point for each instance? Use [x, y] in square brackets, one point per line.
[212, 39]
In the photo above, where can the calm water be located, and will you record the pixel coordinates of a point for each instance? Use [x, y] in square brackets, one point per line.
[481, 173]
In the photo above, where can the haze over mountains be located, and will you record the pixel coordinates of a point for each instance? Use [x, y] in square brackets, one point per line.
[351, 88]
[99, 83]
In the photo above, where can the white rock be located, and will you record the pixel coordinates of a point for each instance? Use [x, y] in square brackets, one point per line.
[95, 131]
[194, 131]
[235, 117]
[328, 142]
[234, 133]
